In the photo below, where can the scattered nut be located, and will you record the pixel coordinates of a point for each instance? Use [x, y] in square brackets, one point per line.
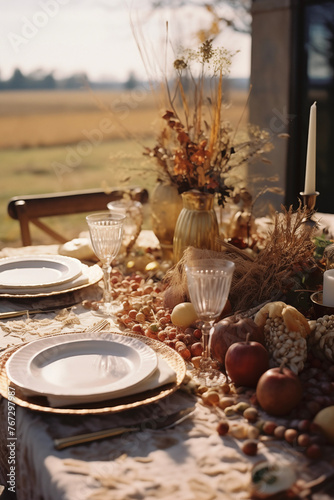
[196, 360]
[303, 440]
[251, 414]
[230, 411]
[238, 431]
[280, 431]
[223, 428]
[290, 435]
[211, 397]
[225, 402]
[225, 388]
[269, 427]
[313, 451]
[252, 432]
[250, 447]
[241, 407]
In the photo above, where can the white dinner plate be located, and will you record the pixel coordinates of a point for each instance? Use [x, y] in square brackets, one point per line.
[81, 365]
[94, 274]
[38, 271]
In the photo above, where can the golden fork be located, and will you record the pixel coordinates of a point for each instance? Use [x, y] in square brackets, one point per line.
[167, 423]
[98, 326]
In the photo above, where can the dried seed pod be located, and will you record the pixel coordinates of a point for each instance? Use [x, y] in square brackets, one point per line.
[285, 332]
[322, 338]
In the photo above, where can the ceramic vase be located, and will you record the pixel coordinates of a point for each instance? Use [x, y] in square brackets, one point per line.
[166, 205]
[196, 225]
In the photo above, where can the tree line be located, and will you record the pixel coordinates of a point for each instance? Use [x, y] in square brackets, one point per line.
[40, 81]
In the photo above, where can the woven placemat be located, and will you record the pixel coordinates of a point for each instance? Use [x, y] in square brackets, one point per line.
[174, 360]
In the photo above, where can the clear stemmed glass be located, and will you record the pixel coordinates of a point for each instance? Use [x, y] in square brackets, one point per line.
[106, 232]
[209, 282]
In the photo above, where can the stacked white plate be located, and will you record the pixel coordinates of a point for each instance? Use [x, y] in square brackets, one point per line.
[87, 367]
[40, 274]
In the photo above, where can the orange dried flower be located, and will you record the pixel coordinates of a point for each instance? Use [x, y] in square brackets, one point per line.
[183, 138]
[196, 152]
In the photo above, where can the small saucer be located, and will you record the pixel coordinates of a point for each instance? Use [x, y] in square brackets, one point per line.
[319, 308]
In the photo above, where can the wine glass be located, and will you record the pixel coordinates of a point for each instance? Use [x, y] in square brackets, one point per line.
[133, 210]
[209, 282]
[106, 231]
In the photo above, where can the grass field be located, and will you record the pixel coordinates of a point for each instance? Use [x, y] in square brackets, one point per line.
[61, 141]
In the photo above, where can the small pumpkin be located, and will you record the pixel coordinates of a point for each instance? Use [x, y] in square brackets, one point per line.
[230, 330]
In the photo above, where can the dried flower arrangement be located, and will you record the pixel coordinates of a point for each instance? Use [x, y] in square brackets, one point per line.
[196, 149]
[288, 249]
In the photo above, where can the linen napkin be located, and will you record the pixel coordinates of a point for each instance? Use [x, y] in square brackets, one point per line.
[79, 248]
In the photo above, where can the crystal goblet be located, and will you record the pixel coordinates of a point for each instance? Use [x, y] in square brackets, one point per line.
[133, 211]
[209, 282]
[106, 232]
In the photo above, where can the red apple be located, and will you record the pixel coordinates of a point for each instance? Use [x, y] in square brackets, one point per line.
[279, 391]
[245, 362]
[230, 330]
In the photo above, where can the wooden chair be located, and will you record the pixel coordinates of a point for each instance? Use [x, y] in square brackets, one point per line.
[30, 208]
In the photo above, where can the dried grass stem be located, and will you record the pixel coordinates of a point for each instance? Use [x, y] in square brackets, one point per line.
[288, 248]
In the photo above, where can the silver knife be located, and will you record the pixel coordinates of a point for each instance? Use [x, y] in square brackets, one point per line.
[163, 423]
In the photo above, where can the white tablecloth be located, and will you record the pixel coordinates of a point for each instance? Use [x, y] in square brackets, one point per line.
[190, 462]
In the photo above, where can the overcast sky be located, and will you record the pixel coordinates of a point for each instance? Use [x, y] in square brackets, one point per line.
[95, 36]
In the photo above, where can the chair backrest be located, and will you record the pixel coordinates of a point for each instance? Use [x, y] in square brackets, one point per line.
[30, 208]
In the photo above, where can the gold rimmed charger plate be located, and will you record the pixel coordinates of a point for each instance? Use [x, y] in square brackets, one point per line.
[95, 274]
[40, 404]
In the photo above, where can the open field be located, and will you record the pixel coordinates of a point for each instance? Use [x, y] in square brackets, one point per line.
[37, 119]
[60, 141]
[38, 170]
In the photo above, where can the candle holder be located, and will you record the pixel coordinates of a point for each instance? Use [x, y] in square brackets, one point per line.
[309, 201]
[319, 308]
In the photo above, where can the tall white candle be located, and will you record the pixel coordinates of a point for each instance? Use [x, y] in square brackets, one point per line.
[328, 288]
[309, 187]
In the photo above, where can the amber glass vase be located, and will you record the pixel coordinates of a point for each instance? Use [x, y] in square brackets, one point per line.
[197, 224]
[166, 205]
